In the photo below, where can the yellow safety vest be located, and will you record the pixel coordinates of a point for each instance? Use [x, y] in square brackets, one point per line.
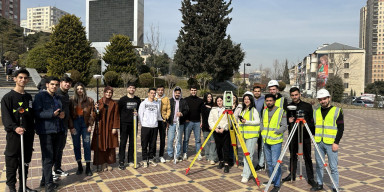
[326, 129]
[270, 127]
[248, 130]
[280, 102]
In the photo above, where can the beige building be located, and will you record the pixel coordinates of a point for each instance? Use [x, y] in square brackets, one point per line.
[43, 18]
[372, 39]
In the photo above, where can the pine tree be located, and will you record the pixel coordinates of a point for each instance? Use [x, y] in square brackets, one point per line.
[69, 48]
[120, 55]
[286, 73]
[335, 87]
[203, 44]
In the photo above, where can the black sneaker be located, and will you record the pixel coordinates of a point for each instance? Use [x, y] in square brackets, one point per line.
[259, 168]
[221, 165]
[317, 187]
[275, 189]
[121, 166]
[266, 183]
[60, 173]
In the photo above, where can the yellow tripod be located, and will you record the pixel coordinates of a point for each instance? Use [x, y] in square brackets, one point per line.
[235, 131]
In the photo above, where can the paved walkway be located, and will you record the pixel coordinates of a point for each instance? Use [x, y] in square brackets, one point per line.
[360, 165]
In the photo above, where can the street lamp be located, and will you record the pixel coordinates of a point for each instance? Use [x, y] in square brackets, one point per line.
[245, 64]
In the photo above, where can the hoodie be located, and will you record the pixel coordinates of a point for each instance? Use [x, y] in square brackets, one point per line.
[149, 113]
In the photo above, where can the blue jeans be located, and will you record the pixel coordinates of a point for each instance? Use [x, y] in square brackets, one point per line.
[332, 160]
[250, 144]
[261, 158]
[171, 138]
[210, 147]
[189, 127]
[272, 153]
[81, 131]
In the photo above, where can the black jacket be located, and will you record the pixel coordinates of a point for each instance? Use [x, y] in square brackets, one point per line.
[183, 108]
[205, 115]
[65, 101]
[308, 116]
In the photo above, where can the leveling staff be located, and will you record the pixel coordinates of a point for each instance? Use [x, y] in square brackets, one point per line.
[293, 147]
[10, 103]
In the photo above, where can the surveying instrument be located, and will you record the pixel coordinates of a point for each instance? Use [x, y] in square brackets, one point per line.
[21, 110]
[300, 123]
[234, 131]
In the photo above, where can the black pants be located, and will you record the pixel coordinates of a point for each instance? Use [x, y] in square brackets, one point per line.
[12, 165]
[293, 148]
[148, 139]
[50, 144]
[259, 147]
[126, 132]
[59, 156]
[223, 144]
[162, 127]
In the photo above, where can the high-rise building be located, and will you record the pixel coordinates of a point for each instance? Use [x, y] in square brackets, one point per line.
[10, 9]
[108, 17]
[372, 39]
[43, 18]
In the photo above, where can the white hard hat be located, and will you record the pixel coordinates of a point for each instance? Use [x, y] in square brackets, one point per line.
[248, 93]
[273, 83]
[322, 93]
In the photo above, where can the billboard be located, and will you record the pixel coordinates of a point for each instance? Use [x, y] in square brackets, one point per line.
[322, 70]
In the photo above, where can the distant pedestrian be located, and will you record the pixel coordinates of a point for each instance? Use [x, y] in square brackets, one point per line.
[148, 115]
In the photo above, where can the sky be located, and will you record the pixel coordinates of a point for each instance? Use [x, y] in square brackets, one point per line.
[267, 30]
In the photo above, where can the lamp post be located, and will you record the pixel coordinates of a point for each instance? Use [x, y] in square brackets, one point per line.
[245, 64]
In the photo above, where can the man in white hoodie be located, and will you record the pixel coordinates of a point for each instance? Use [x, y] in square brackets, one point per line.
[148, 116]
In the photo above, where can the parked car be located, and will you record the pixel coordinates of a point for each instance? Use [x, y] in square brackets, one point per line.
[363, 103]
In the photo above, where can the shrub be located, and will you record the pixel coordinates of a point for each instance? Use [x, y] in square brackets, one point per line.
[146, 80]
[111, 78]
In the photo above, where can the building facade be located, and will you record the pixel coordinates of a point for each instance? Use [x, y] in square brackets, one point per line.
[10, 9]
[372, 39]
[43, 18]
[344, 61]
[108, 17]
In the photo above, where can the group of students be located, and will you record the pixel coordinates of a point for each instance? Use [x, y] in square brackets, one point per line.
[262, 120]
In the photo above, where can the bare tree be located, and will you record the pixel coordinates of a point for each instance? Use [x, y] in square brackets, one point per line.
[128, 78]
[340, 61]
[203, 79]
[171, 81]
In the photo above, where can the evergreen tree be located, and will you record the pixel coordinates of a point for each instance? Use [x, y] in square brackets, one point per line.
[38, 59]
[335, 87]
[159, 61]
[120, 55]
[11, 37]
[69, 48]
[203, 44]
[286, 73]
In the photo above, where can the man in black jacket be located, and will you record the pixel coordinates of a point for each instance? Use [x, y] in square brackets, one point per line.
[293, 147]
[12, 104]
[179, 110]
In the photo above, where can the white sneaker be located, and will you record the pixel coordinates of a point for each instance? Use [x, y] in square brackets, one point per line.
[185, 157]
[244, 180]
[162, 160]
[144, 164]
[199, 157]
[60, 173]
[131, 164]
[212, 162]
[152, 163]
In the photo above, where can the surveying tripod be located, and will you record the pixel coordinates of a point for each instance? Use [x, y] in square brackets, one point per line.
[300, 121]
[233, 133]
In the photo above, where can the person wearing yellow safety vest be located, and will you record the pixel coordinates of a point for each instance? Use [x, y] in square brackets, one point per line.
[273, 126]
[273, 88]
[249, 126]
[329, 128]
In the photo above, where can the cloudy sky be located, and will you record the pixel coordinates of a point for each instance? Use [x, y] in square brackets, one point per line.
[266, 29]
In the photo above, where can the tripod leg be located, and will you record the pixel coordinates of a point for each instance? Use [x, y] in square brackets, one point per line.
[279, 161]
[245, 150]
[322, 159]
[205, 142]
[22, 160]
[134, 141]
[300, 149]
[233, 140]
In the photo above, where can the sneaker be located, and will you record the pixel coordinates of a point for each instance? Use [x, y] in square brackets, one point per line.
[54, 177]
[275, 189]
[130, 164]
[199, 157]
[212, 162]
[152, 163]
[180, 159]
[185, 157]
[266, 183]
[162, 160]
[244, 180]
[144, 164]
[259, 168]
[60, 173]
[122, 166]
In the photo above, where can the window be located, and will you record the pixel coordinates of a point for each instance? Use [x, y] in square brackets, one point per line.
[346, 75]
[346, 65]
[346, 85]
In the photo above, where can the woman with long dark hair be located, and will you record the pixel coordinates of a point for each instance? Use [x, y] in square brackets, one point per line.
[221, 134]
[249, 125]
[105, 140]
[210, 147]
[81, 122]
